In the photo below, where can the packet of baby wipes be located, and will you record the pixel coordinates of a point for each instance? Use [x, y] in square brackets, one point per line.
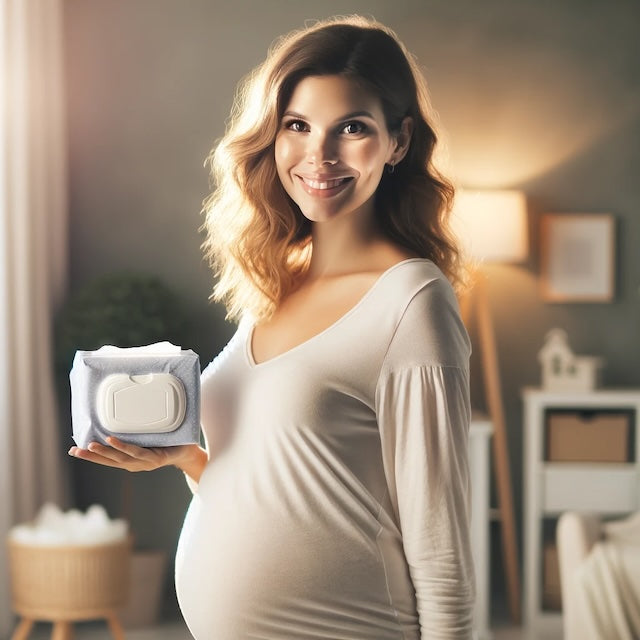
[148, 396]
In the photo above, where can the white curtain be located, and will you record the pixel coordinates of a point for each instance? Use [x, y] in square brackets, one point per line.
[33, 262]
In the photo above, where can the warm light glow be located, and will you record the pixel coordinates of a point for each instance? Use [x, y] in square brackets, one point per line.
[491, 225]
[515, 134]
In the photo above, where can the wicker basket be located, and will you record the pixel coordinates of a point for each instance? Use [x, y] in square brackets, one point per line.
[69, 582]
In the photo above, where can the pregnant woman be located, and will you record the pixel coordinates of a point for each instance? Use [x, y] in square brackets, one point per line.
[332, 498]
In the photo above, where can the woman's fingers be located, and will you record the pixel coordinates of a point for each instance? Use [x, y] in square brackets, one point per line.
[119, 454]
[108, 452]
[190, 458]
[131, 450]
[92, 456]
[154, 456]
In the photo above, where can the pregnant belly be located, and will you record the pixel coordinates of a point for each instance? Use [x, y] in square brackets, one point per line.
[262, 573]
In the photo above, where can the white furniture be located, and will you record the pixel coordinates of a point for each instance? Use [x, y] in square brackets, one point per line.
[550, 488]
[479, 436]
[576, 534]
[581, 561]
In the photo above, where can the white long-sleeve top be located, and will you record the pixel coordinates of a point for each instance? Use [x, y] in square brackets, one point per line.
[338, 505]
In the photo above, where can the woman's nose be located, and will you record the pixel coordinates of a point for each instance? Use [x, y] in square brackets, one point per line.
[322, 150]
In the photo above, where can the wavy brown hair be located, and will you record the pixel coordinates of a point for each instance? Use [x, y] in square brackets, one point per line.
[258, 241]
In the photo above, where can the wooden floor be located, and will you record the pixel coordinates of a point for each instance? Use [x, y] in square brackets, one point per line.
[97, 631]
[175, 629]
[178, 631]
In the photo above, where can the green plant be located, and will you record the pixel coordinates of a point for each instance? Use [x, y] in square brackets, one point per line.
[123, 309]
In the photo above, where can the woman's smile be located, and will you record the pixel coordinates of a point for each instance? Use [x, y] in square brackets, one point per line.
[324, 187]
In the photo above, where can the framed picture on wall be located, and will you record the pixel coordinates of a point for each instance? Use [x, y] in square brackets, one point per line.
[577, 257]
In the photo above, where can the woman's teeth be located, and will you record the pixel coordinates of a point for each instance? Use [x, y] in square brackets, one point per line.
[326, 184]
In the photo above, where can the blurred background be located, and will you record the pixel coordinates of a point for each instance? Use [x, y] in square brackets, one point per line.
[535, 95]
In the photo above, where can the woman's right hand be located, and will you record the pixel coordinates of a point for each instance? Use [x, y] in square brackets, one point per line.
[189, 458]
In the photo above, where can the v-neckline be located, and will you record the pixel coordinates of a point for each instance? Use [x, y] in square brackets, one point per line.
[249, 336]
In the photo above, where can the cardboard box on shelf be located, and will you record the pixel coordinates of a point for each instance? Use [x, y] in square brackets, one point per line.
[594, 436]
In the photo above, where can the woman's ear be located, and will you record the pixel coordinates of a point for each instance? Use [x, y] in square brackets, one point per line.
[403, 139]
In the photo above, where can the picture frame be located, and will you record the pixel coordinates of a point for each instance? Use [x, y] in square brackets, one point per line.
[577, 257]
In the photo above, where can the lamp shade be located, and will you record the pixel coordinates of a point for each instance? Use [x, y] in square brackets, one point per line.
[491, 226]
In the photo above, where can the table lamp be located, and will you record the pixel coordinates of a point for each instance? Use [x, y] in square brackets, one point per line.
[491, 227]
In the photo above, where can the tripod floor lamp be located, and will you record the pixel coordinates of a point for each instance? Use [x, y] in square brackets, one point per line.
[492, 228]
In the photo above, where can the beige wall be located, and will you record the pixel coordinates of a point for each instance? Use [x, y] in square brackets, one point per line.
[538, 95]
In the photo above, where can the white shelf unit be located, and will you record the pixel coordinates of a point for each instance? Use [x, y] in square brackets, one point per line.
[479, 468]
[551, 488]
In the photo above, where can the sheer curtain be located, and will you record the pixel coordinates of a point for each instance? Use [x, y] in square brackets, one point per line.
[33, 257]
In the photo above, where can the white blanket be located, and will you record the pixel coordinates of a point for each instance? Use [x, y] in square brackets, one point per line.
[608, 583]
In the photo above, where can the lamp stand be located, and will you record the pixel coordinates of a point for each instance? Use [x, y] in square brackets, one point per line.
[477, 301]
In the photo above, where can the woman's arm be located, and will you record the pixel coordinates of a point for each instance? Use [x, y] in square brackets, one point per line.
[422, 406]
[424, 421]
[189, 458]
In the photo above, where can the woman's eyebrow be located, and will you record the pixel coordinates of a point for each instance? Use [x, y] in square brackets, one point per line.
[348, 116]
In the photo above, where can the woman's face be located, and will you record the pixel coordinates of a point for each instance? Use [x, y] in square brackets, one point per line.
[331, 147]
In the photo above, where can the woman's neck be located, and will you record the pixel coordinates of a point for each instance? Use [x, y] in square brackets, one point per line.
[342, 246]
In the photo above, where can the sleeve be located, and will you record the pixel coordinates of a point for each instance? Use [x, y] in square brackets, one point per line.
[423, 410]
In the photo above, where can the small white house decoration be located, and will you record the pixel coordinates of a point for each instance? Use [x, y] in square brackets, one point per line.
[564, 371]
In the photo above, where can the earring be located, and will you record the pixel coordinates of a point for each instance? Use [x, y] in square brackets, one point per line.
[391, 168]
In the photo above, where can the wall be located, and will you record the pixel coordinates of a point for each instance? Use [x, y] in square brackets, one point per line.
[537, 95]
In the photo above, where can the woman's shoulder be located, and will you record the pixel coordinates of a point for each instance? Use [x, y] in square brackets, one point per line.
[410, 276]
[428, 323]
[404, 267]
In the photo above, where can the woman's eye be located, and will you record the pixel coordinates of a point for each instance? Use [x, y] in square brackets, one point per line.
[296, 125]
[354, 128]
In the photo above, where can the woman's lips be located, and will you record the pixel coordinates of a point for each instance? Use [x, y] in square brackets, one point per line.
[324, 187]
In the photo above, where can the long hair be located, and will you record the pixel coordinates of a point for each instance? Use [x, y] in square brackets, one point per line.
[258, 241]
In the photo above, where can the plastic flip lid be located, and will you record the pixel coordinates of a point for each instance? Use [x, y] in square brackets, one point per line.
[148, 403]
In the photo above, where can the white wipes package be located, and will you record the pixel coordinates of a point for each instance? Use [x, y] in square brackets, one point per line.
[149, 396]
